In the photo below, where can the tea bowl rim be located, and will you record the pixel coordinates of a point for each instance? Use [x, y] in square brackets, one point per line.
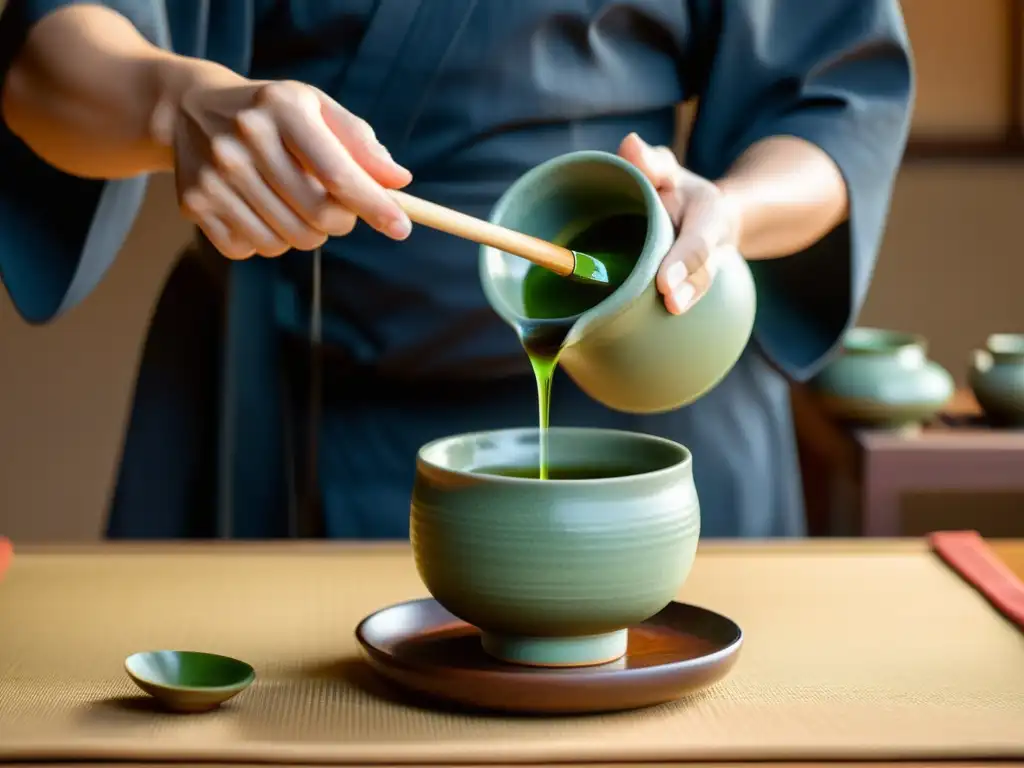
[244, 682]
[637, 280]
[685, 462]
[888, 340]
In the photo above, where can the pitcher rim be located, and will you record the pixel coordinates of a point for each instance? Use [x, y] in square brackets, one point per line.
[639, 278]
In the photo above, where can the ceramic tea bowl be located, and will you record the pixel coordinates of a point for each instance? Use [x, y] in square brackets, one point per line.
[996, 377]
[554, 571]
[627, 352]
[884, 379]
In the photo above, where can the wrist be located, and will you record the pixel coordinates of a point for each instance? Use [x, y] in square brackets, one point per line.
[172, 77]
[734, 205]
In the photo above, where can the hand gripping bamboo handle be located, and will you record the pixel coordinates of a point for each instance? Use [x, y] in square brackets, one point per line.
[548, 255]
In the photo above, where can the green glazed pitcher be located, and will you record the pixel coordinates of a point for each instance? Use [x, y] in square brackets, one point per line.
[627, 352]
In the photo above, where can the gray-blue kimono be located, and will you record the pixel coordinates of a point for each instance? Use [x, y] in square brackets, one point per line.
[468, 94]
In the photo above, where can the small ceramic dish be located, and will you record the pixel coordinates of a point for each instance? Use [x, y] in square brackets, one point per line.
[425, 649]
[189, 681]
[996, 377]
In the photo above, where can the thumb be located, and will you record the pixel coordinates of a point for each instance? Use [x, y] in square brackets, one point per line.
[658, 164]
[362, 144]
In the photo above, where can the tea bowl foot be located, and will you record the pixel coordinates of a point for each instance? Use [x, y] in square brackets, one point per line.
[586, 651]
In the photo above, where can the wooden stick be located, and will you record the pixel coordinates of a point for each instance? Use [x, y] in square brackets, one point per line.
[548, 255]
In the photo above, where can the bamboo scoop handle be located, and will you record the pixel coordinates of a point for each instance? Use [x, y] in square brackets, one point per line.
[548, 255]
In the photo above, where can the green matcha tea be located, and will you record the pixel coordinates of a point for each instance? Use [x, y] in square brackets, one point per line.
[551, 302]
[615, 241]
[560, 473]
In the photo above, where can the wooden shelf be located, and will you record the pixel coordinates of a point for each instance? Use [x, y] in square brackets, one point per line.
[854, 479]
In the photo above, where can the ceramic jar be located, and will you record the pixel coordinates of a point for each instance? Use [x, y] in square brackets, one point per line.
[884, 379]
[996, 377]
[628, 352]
[554, 571]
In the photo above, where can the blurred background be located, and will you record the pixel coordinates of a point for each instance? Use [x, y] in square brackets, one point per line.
[952, 269]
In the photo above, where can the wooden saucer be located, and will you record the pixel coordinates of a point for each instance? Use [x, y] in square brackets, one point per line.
[422, 647]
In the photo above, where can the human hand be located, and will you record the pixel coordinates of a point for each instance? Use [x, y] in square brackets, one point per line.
[264, 167]
[705, 220]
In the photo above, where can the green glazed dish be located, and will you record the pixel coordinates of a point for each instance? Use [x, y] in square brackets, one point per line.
[189, 681]
[627, 352]
[553, 572]
[883, 379]
[996, 377]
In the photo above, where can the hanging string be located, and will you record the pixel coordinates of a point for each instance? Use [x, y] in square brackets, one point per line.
[311, 511]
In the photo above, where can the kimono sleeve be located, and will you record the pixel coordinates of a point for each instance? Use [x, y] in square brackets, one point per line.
[59, 233]
[837, 74]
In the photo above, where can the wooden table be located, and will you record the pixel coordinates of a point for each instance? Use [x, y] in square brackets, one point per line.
[1009, 551]
[855, 479]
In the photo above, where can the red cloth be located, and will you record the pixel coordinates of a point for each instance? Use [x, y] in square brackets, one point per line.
[968, 554]
[6, 553]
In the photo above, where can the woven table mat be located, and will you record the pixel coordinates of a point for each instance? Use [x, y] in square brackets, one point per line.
[851, 653]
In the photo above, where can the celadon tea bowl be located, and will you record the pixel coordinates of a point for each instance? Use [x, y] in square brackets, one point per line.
[627, 352]
[553, 572]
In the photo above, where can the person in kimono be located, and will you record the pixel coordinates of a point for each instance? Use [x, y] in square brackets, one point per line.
[284, 122]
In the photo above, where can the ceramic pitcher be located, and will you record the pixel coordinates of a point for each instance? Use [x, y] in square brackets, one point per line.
[627, 352]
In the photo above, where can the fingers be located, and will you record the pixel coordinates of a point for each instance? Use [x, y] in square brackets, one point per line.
[662, 169]
[361, 142]
[197, 209]
[688, 270]
[238, 169]
[684, 286]
[232, 208]
[307, 135]
[239, 212]
[658, 164]
[704, 220]
[298, 168]
[306, 197]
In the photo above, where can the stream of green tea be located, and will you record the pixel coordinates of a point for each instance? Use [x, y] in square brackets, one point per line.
[552, 303]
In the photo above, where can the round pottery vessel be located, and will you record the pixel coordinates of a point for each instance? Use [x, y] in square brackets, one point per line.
[553, 572]
[883, 379]
[996, 377]
[628, 352]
